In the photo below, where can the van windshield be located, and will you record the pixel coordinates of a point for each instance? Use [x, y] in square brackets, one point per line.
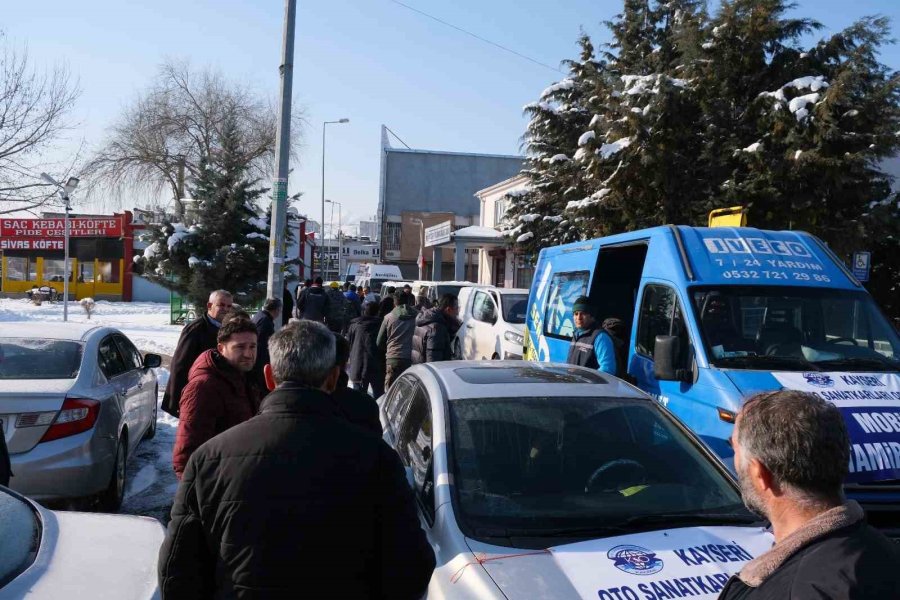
[794, 329]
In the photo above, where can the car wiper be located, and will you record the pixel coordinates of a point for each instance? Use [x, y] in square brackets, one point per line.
[858, 361]
[695, 518]
[766, 360]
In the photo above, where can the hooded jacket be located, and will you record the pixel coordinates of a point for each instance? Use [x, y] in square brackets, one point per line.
[363, 337]
[313, 304]
[296, 502]
[396, 334]
[216, 398]
[433, 339]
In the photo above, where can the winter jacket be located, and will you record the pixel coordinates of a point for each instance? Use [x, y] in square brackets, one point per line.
[313, 304]
[265, 328]
[433, 340]
[836, 555]
[287, 308]
[339, 311]
[295, 502]
[357, 407]
[196, 338]
[363, 337]
[216, 398]
[396, 334]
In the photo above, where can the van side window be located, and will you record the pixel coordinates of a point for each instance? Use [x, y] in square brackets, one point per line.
[565, 288]
[483, 308]
[661, 314]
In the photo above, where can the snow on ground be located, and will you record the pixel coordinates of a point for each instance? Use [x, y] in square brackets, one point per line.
[145, 323]
[151, 483]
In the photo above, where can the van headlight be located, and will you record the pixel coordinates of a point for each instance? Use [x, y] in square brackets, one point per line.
[515, 338]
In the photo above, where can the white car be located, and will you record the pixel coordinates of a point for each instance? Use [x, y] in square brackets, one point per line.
[493, 323]
[46, 554]
[542, 480]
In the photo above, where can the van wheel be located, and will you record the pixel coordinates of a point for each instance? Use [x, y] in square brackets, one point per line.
[111, 498]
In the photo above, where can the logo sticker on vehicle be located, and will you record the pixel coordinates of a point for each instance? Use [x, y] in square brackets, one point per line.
[635, 560]
[821, 380]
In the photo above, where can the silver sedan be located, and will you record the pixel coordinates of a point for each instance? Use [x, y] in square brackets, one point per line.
[75, 401]
[541, 480]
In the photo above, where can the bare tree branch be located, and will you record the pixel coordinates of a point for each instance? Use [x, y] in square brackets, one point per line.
[173, 124]
[34, 107]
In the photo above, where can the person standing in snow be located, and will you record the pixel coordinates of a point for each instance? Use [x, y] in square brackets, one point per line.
[435, 330]
[221, 391]
[196, 338]
[366, 366]
[296, 501]
[395, 338]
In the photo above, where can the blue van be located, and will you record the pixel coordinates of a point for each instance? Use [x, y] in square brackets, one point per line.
[718, 314]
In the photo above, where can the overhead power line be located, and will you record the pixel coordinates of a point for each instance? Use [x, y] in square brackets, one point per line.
[477, 37]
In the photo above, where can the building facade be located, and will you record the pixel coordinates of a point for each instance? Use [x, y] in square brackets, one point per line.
[502, 266]
[422, 188]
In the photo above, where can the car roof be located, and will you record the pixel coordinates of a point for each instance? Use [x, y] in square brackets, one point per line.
[518, 379]
[54, 331]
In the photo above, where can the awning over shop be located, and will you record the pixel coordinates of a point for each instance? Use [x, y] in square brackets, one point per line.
[441, 236]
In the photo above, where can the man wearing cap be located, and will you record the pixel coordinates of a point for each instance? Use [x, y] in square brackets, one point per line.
[592, 346]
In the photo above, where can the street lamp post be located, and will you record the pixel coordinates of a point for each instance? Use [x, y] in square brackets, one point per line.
[340, 233]
[322, 246]
[64, 191]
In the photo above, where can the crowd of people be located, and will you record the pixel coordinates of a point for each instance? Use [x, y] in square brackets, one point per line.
[286, 483]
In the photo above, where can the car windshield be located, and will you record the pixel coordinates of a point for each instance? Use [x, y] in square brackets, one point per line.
[442, 289]
[540, 466]
[795, 329]
[515, 307]
[30, 358]
[20, 534]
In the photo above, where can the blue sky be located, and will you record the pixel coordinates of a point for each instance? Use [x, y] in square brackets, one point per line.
[371, 61]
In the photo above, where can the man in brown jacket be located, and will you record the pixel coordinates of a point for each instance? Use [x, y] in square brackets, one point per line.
[221, 391]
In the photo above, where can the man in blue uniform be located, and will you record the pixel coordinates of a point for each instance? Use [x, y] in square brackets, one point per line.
[592, 346]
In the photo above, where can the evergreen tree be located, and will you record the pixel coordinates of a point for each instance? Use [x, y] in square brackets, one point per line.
[226, 245]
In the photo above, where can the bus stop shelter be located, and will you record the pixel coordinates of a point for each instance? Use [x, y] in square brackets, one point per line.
[442, 236]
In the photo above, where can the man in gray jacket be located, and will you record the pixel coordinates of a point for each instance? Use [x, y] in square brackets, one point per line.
[395, 338]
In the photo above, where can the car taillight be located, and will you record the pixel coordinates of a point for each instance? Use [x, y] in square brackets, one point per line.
[75, 416]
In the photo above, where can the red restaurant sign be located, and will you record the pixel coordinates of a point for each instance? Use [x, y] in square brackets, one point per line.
[48, 229]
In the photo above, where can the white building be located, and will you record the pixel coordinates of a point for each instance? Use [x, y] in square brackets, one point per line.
[502, 266]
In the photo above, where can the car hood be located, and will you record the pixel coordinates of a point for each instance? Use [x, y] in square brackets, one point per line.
[690, 562]
[869, 403]
[98, 556]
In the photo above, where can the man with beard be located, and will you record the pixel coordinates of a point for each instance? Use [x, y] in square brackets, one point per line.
[791, 454]
[221, 390]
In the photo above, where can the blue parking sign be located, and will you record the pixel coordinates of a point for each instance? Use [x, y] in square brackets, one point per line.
[862, 264]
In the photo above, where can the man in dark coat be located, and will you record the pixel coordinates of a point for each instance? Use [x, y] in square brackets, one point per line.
[265, 326]
[287, 306]
[357, 407]
[435, 329]
[196, 338]
[792, 454]
[221, 390]
[366, 368]
[296, 500]
[313, 303]
[395, 338]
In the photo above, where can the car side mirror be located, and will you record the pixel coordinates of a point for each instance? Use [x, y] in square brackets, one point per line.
[151, 361]
[664, 355]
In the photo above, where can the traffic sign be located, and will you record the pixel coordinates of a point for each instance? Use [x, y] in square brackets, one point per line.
[862, 264]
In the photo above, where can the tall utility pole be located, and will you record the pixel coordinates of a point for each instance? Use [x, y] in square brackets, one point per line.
[322, 246]
[275, 276]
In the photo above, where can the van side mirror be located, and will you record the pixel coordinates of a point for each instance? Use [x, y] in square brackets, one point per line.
[664, 356]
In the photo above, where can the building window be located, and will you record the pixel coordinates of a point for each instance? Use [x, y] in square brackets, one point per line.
[392, 236]
[54, 270]
[108, 272]
[524, 272]
[500, 207]
[21, 268]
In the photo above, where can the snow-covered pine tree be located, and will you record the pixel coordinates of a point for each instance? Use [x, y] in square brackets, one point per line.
[641, 156]
[226, 246]
[535, 218]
